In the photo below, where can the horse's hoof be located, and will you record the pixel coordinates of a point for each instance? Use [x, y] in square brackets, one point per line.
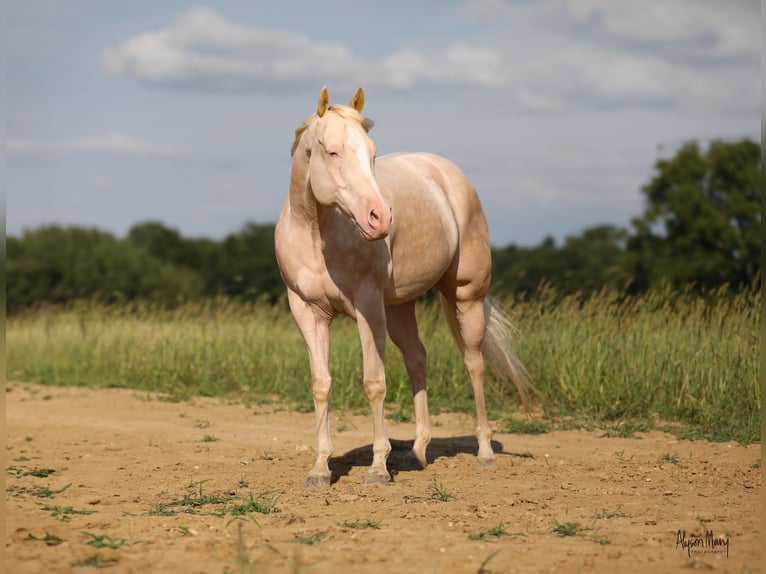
[318, 481]
[412, 462]
[486, 463]
[377, 477]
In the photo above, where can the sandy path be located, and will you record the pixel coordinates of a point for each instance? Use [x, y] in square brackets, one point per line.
[127, 455]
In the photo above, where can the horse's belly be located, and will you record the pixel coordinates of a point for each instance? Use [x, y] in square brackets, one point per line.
[420, 257]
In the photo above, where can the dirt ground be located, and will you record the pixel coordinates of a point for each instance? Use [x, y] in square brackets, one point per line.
[142, 485]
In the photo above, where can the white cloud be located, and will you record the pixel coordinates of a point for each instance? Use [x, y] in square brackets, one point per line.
[113, 144]
[461, 64]
[688, 28]
[586, 76]
[202, 50]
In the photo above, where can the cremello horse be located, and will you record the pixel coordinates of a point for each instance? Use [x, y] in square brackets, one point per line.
[366, 237]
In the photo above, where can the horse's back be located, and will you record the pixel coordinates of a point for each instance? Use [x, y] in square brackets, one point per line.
[439, 231]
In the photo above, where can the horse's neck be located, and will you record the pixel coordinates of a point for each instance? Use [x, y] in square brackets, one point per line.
[303, 205]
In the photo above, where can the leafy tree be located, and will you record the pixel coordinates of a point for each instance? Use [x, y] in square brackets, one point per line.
[247, 264]
[584, 263]
[702, 222]
[61, 264]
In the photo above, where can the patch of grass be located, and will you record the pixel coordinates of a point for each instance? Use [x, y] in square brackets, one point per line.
[311, 539]
[566, 528]
[45, 492]
[106, 541]
[97, 561]
[664, 355]
[520, 426]
[361, 524]
[494, 532]
[668, 457]
[627, 429]
[65, 513]
[610, 514]
[438, 492]
[197, 502]
[40, 472]
[49, 539]
[264, 503]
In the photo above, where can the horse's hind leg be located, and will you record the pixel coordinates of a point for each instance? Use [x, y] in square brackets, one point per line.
[403, 330]
[468, 321]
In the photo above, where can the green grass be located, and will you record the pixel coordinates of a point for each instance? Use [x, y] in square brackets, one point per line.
[315, 538]
[624, 365]
[498, 531]
[195, 501]
[361, 524]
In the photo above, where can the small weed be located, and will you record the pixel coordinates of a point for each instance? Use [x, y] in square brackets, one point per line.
[669, 458]
[495, 532]
[40, 472]
[65, 512]
[209, 438]
[361, 524]
[262, 504]
[106, 541]
[576, 529]
[246, 566]
[162, 509]
[268, 456]
[312, 539]
[627, 429]
[185, 531]
[756, 464]
[438, 492]
[192, 503]
[483, 567]
[243, 482]
[620, 455]
[45, 492]
[49, 539]
[22, 459]
[610, 514]
[97, 561]
[565, 529]
[518, 426]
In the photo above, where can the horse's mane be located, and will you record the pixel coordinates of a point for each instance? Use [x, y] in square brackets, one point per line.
[346, 112]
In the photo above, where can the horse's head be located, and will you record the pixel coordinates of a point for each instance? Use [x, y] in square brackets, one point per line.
[342, 165]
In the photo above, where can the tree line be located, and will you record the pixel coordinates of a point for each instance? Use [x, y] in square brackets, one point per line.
[701, 229]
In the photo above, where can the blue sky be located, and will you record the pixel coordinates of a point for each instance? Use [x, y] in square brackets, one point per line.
[121, 112]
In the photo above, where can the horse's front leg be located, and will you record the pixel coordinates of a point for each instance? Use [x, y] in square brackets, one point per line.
[371, 321]
[315, 328]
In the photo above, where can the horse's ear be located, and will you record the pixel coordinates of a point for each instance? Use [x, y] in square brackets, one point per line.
[357, 100]
[324, 102]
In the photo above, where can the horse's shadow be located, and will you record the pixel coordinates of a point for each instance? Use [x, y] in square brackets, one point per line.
[437, 448]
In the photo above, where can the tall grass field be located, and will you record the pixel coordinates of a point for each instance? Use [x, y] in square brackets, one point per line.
[665, 360]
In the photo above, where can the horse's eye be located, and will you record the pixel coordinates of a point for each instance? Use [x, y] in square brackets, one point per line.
[333, 153]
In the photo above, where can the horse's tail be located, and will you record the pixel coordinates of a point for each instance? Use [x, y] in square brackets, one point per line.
[499, 333]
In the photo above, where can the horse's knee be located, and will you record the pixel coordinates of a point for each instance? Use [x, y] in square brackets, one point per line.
[375, 389]
[320, 389]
